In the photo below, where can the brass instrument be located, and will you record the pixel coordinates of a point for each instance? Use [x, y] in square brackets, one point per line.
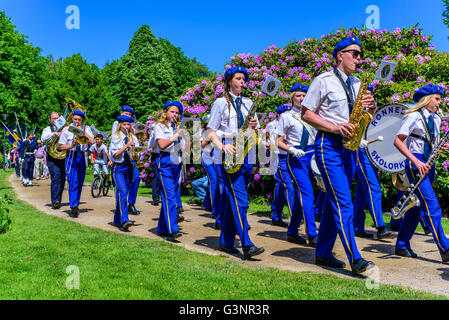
[52, 146]
[141, 135]
[359, 118]
[243, 142]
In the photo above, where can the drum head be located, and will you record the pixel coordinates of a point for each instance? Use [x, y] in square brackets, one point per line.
[314, 167]
[386, 123]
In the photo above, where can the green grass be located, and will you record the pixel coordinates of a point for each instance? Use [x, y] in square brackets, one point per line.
[36, 251]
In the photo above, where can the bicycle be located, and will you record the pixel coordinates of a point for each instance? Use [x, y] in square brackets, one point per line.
[99, 185]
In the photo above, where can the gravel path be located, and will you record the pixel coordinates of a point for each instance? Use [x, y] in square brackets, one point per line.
[426, 273]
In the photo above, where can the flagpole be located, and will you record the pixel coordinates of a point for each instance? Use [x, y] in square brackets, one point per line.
[18, 125]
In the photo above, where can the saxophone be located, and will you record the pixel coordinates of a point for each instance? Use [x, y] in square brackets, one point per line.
[359, 118]
[243, 142]
[409, 199]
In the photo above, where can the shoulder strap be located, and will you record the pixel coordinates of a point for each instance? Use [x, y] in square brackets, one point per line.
[423, 118]
[343, 84]
[304, 124]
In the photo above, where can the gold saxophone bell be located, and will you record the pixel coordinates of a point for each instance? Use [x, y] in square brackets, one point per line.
[142, 136]
[82, 139]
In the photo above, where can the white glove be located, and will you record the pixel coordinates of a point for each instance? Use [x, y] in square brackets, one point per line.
[296, 152]
[363, 144]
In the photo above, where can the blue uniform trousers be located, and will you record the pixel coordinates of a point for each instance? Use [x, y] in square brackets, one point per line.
[56, 167]
[28, 167]
[75, 165]
[368, 193]
[319, 204]
[337, 166]
[236, 207]
[178, 186]
[155, 183]
[219, 199]
[134, 186]
[121, 178]
[213, 186]
[287, 185]
[279, 201]
[168, 175]
[429, 209]
[303, 208]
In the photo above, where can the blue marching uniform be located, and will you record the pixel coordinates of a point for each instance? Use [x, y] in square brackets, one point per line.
[331, 96]
[168, 164]
[29, 147]
[75, 165]
[122, 174]
[228, 118]
[155, 183]
[416, 126]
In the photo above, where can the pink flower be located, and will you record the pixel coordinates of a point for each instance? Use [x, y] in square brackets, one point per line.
[395, 97]
[257, 177]
[192, 170]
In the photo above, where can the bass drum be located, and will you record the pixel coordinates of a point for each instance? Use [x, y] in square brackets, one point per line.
[386, 123]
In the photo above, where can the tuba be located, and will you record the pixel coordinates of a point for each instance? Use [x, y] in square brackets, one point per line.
[359, 118]
[52, 146]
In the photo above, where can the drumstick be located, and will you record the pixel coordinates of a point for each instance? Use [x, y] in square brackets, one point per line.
[379, 138]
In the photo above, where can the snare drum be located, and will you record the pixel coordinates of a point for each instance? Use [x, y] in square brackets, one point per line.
[386, 123]
[317, 174]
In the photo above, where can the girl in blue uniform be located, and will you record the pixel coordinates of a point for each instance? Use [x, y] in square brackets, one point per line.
[166, 135]
[299, 138]
[122, 169]
[226, 118]
[416, 139]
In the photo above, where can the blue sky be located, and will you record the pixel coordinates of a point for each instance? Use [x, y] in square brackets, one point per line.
[213, 30]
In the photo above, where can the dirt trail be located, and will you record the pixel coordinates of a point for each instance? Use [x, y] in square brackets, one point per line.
[425, 273]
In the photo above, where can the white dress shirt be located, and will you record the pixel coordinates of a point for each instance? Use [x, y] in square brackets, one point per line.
[327, 98]
[413, 123]
[118, 142]
[292, 128]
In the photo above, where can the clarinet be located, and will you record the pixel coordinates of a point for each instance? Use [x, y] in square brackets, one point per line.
[409, 199]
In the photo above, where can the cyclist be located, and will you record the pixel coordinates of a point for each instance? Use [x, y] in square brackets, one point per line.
[100, 158]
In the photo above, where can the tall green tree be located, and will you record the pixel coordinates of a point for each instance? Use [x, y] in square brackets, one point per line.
[152, 72]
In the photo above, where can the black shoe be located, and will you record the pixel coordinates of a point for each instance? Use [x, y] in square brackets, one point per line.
[405, 253]
[279, 223]
[56, 205]
[445, 256]
[395, 228]
[249, 227]
[329, 262]
[75, 212]
[179, 218]
[180, 209]
[252, 251]
[126, 225]
[162, 234]
[228, 250]
[217, 226]
[296, 239]
[312, 241]
[132, 210]
[156, 202]
[427, 231]
[174, 235]
[360, 266]
[384, 233]
[364, 234]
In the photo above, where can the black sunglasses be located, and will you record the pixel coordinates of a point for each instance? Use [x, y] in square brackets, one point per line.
[355, 53]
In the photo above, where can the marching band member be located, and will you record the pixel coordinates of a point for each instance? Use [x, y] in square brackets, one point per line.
[155, 183]
[166, 134]
[29, 147]
[299, 145]
[75, 163]
[132, 197]
[227, 116]
[213, 196]
[55, 166]
[327, 106]
[416, 138]
[122, 169]
[279, 201]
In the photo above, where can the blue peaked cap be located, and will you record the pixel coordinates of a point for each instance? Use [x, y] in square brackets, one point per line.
[174, 103]
[128, 109]
[229, 72]
[427, 90]
[345, 43]
[125, 118]
[282, 109]
[299, 87]
[77, 112]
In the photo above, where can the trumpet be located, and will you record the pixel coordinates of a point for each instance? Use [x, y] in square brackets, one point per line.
[80, 136]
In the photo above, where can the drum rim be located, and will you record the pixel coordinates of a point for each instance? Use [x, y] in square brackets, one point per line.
[374, 163]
